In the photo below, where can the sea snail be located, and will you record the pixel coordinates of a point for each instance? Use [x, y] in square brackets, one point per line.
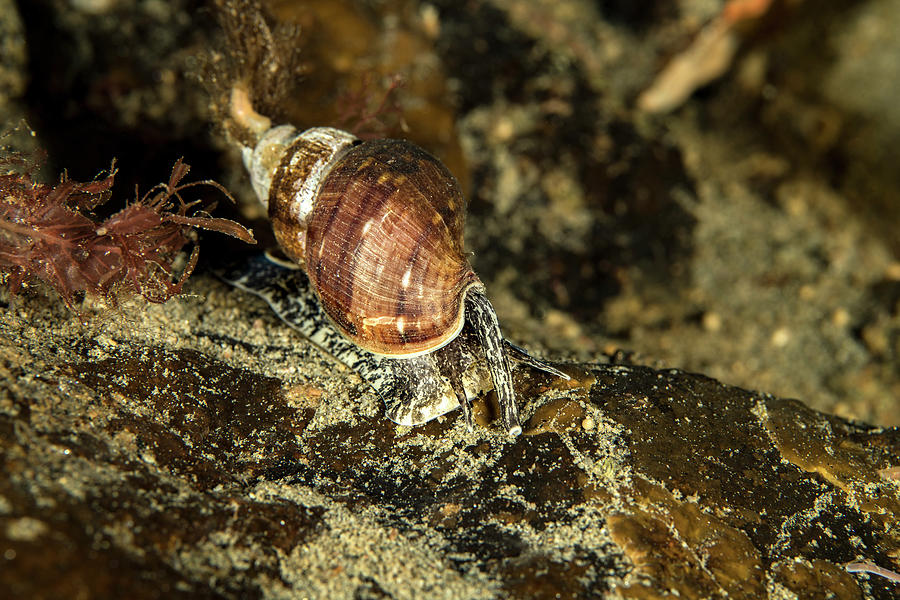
[377, 227]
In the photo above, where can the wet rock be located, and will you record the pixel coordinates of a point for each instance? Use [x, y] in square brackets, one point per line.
[201, 449]
[140, 469]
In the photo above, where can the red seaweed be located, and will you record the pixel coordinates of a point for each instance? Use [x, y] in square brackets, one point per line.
[363, 111]
[48, 233]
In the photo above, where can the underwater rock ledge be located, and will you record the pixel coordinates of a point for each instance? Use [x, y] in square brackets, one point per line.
[165, 457]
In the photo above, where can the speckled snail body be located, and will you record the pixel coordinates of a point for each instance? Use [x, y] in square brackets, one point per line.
[377, 227]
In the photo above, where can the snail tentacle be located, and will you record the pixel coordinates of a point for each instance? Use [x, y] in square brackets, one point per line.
[520, 355]
[480, 313]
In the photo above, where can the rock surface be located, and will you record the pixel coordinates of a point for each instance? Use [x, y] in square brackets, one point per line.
[200, 449]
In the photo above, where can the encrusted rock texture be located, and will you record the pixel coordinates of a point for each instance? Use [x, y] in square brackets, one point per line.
[201, 448]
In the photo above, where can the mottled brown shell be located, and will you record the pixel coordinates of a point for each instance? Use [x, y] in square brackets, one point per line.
[384, 250]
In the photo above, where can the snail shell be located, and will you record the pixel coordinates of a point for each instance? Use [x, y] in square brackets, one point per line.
[377, 226]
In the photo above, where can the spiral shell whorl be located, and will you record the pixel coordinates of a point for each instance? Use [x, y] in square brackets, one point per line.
[263, 160]
[286, 170]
